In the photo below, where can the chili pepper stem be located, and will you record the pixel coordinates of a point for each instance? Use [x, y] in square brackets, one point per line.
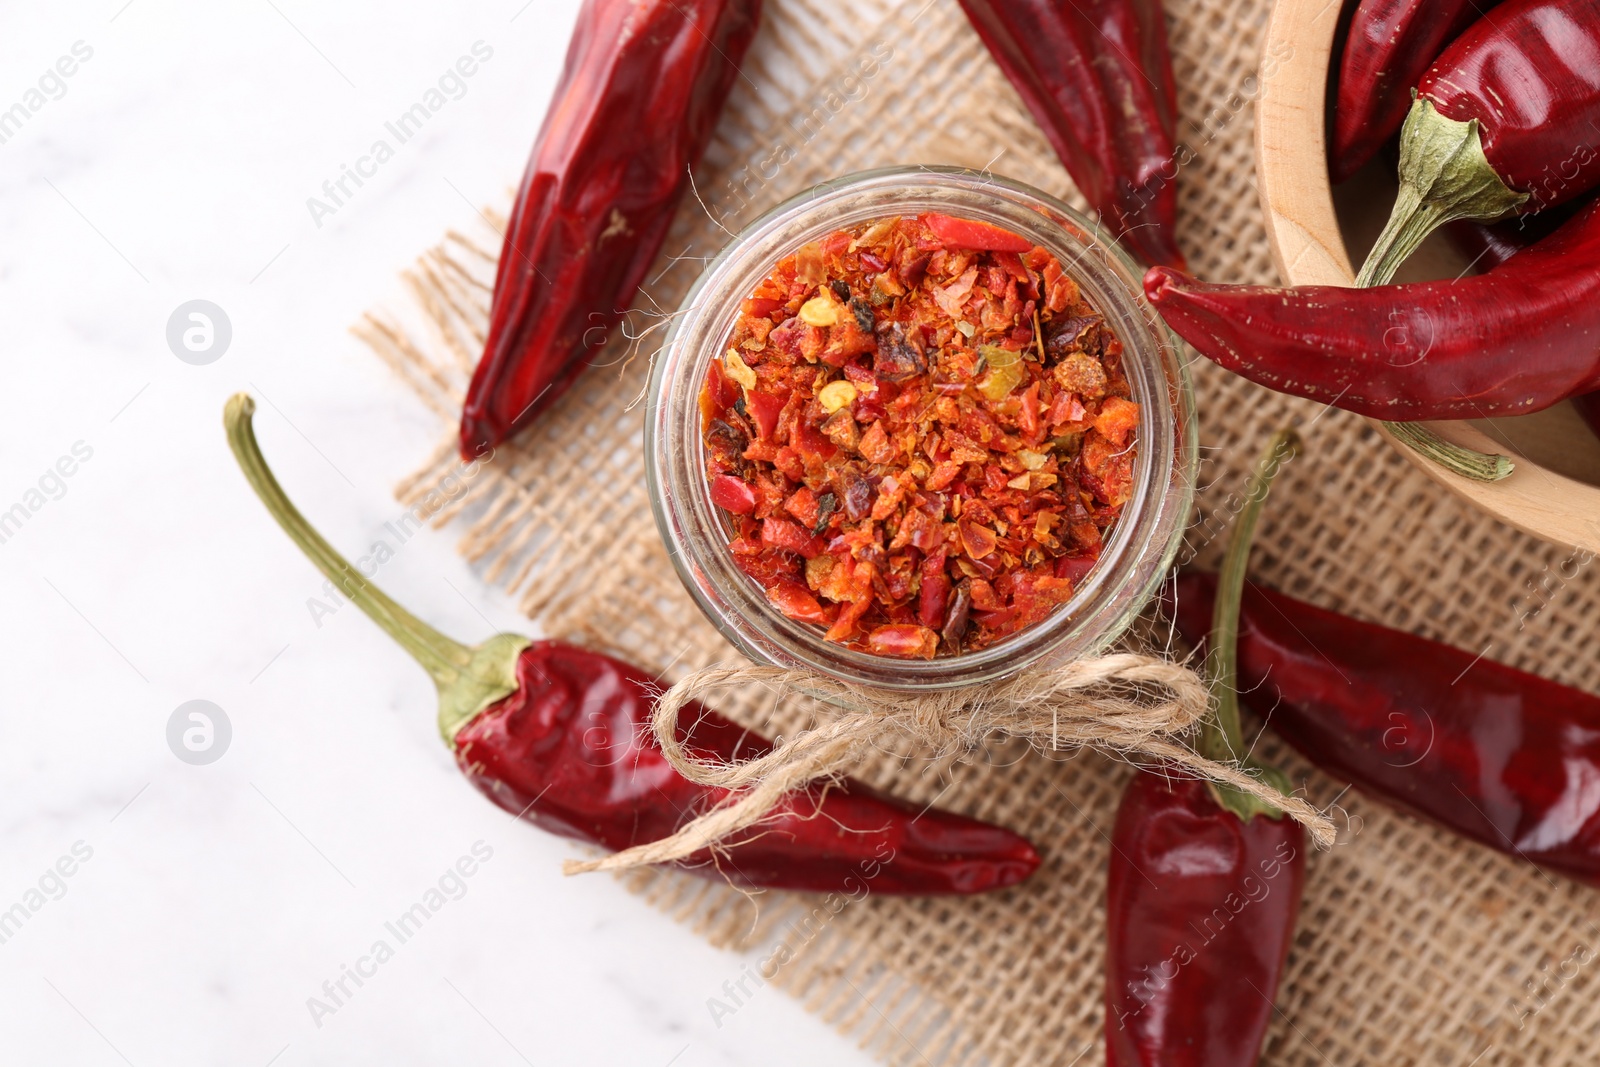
[1221, 737]
[1444, 175]
[469, 678]
[1467, 462]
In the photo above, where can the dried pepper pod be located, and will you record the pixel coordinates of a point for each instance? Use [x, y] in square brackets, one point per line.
[1391, 45]
[1487, 245]
[1200, 912]
[560, 735]
[1097, 77]
[1500, 756]
[1516, 339]
[636, 105]
[1504, 120]
[1204, 882]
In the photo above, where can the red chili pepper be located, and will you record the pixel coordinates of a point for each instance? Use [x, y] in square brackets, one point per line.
[1514, 340]
[1391, 45]
[560, 736]
[1098, 79]
[1204, 882]
[1505, 119]
[636, 105]
[1487, 246]
[1498, 755]
[1200, 911]
[733, 494]
[571, 751]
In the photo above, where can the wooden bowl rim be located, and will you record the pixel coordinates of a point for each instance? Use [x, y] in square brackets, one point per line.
[1308, 249]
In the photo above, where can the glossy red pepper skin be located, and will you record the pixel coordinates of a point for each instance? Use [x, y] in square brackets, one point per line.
[1200, 913]
[636, 105]
[1516, 339]
[571, 751]
[1497, 243]
[1097, 76]
[1391, 44]
[1500, 756]
[1530, 74]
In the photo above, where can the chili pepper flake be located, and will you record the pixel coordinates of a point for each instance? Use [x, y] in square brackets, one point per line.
[920, 434]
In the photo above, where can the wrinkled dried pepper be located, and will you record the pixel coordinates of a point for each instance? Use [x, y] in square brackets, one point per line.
[1391, 44]
[1487, 245]
[1204, 882]
[1097, 77]
[1506, 119]
[636, 105]
[560, 736]
[920, 433]
[1514, 340]
[1500, 756]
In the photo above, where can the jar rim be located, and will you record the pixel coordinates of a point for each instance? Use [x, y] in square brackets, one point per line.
[1141, 543]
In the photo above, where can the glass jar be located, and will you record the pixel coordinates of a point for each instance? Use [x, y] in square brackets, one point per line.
[1141, 544]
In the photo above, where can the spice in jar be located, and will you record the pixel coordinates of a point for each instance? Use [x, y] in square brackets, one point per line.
[920, 433]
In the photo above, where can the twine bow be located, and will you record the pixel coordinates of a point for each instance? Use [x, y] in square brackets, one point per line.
[1127, 703]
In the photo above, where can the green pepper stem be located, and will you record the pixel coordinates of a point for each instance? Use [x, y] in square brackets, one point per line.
[1458, 459]
[468, 678]
[1221, 736]
[1411, 220]
[1444, 175]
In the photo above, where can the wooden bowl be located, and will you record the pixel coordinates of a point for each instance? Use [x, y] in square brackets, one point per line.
[1317, 232]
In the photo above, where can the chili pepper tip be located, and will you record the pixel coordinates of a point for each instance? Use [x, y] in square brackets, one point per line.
[1160, 280]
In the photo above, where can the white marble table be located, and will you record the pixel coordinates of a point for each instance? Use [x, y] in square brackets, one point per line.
[206, 904]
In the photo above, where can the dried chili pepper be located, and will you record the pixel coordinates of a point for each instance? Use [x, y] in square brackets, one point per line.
[1097, 77]
[1516, 339]
[636, 105]
[1204, 882]
[920, 433]
[1200, 910]
[1504, 120]
[1391, 45]
[1487, 245]
[1503, 757]
[560, 736]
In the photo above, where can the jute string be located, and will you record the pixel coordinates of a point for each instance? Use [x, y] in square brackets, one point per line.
[1128, 703]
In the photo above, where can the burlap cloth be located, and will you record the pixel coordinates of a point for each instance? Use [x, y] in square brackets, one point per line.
[1412, 946]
